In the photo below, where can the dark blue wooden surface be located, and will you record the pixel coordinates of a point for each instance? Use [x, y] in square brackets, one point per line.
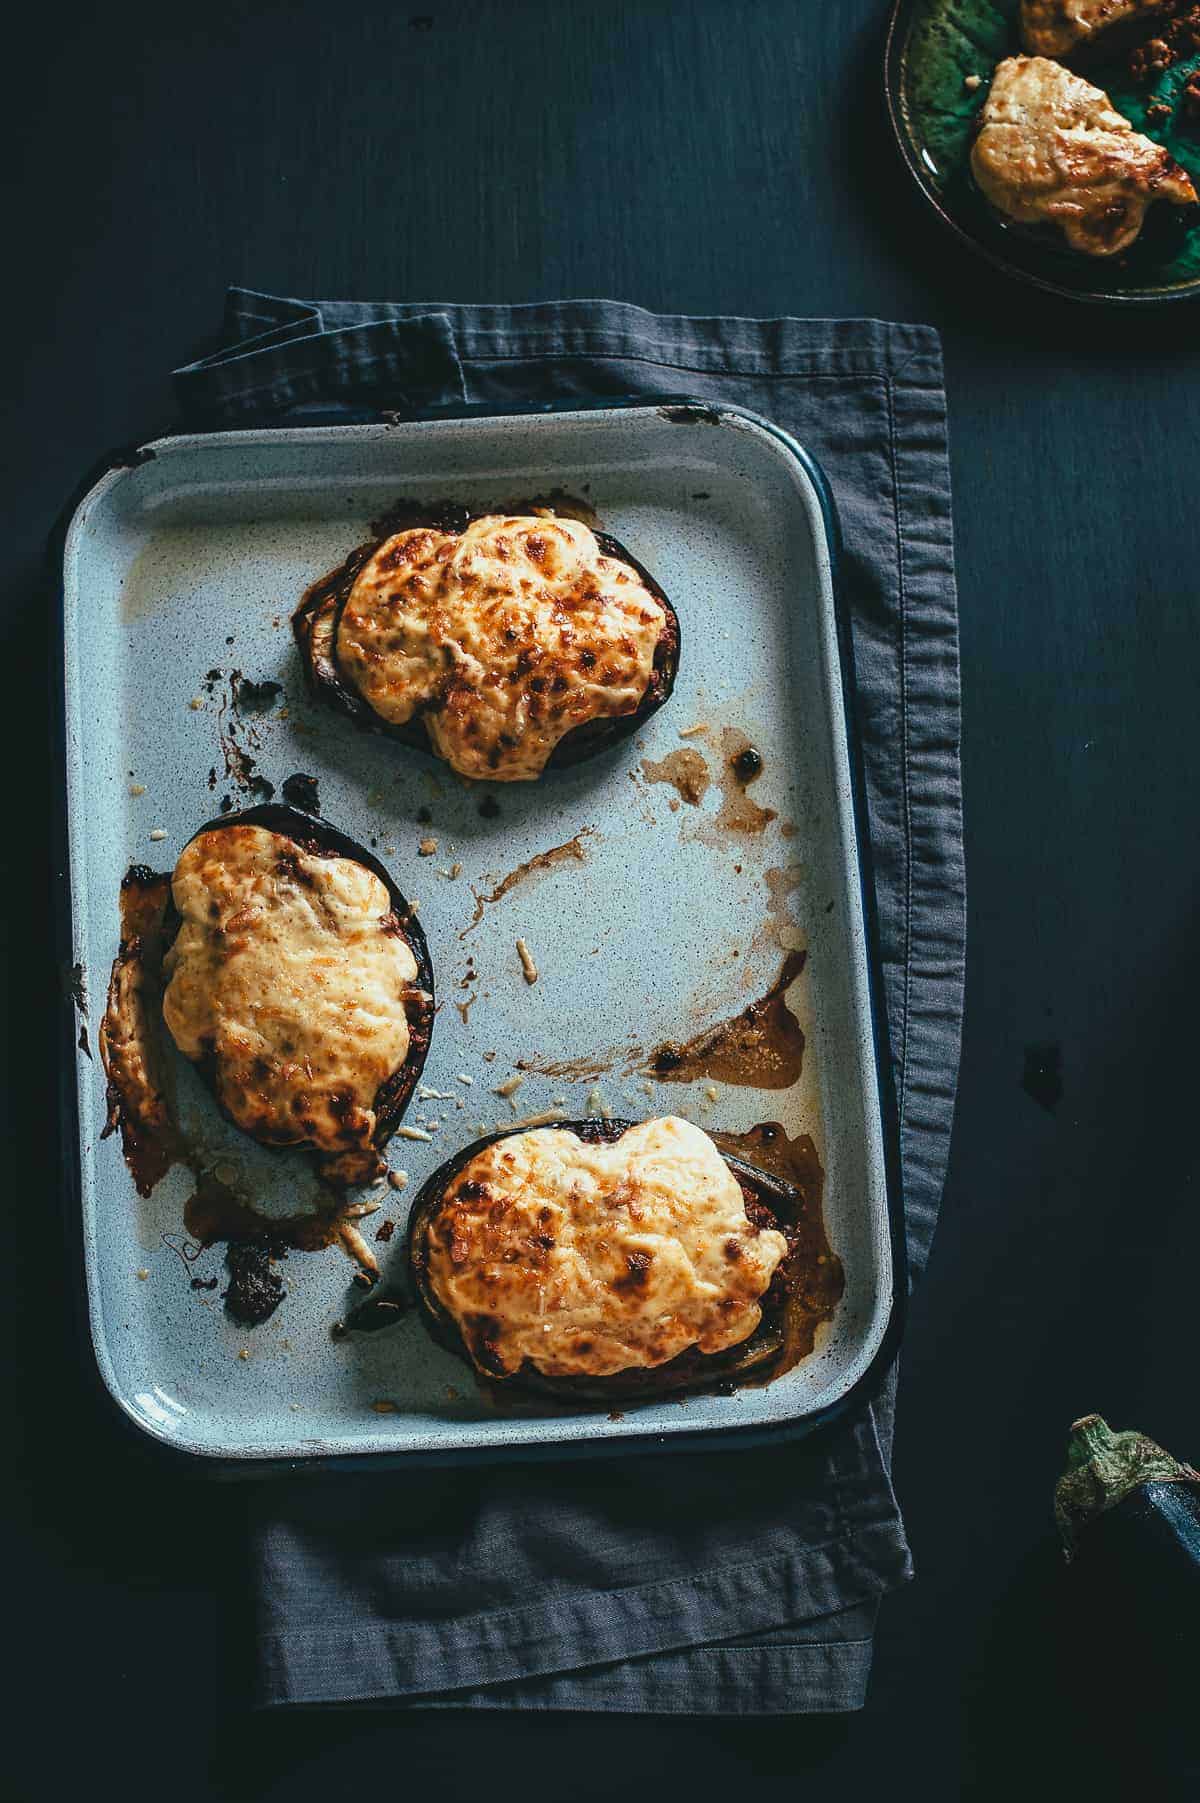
[706, 156]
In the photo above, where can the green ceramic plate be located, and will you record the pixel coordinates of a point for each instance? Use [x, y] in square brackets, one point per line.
[933, 46]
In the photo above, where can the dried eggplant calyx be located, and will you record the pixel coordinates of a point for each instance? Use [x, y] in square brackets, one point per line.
[1103, 1468]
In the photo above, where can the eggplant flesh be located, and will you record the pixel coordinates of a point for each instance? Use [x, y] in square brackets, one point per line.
[754, 1360]
[315, 625]
[313, 834]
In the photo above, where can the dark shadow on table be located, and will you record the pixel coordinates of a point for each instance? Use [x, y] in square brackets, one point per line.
[577, 1756]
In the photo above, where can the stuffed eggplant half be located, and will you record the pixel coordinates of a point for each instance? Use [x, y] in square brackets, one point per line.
[603, 1260]
[294, 975]
[502, 643]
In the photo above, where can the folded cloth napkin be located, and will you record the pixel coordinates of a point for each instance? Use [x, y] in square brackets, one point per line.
[722, 1582]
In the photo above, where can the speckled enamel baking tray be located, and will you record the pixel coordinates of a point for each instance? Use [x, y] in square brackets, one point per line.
[182, 565]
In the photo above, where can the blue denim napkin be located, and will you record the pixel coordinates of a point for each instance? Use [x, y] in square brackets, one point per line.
[733, 1583]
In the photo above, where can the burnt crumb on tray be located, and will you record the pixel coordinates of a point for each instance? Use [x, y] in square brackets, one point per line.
[409, 516]
[77, 984]
[381, 1310]
[255, 1287]
[302, 791]
[256, 697]
[691, 414]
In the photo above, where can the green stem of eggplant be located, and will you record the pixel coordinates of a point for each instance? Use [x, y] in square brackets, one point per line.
[1103, 1466]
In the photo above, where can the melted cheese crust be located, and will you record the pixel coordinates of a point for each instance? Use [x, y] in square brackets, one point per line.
[592, 1259]
[1053, 150]
[505, 637]
[1054, 27]
[288, 975]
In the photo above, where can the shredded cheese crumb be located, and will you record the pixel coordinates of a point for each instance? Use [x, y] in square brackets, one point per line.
[244, 1353]
[690, 732]
[425, 1094]
[463, 1078]
[196, 703]
[160, 832]
[528, 966]
[426, 848]
[143, 1274]
[972, 82]
[712, 1092]
[398, 1179]
[413, 1133]
[137, 788]
[509, 1087]
[455, 871]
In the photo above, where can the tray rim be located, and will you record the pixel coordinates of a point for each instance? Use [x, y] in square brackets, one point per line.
[227, 1463]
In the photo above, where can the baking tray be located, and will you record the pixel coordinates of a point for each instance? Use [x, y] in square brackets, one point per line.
[181, 565]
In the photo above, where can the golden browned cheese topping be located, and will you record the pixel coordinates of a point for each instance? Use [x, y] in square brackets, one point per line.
[592, 1259]
[288, 974]
[505, 637]
[1052, 150]
[1055, 27]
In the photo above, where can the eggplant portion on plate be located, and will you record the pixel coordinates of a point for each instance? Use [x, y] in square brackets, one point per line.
[503, 644]
[288, 967]
[645, 1266]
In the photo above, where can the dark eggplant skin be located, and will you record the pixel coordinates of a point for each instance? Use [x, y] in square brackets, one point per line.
[1128, 1514]
[319, 615]
[313, 834]
[751, 1361]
